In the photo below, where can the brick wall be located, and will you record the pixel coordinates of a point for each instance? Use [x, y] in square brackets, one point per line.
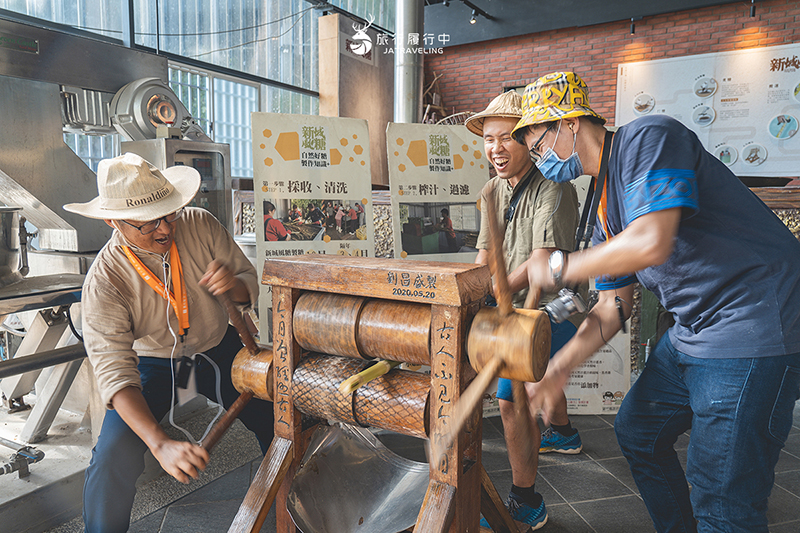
[473, 74]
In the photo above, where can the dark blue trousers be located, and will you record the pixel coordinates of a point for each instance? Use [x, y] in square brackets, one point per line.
[118, 458]
[740, 413]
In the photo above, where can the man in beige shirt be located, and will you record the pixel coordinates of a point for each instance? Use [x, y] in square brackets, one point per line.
[149, 306]
[536, 217]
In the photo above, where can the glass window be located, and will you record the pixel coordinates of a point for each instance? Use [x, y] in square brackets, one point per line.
[192, 87]
[382, 11]
[276, 39]
[92, 148]
[233, 103]
[228, 119]
[97, 16]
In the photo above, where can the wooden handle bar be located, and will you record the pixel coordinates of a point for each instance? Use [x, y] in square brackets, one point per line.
[227, 419]
[233, 411]
[238, 323]
[465, 407]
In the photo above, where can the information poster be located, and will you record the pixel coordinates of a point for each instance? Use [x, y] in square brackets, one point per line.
[436, 174]
[600, 383]
[743, 105]
[313, 189]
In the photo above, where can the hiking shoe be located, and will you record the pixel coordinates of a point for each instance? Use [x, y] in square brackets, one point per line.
[553, 441]
[522, 512]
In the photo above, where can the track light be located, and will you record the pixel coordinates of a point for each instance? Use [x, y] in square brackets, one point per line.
[752, 8]
[633, 24]
[446, 3]
[476, 12]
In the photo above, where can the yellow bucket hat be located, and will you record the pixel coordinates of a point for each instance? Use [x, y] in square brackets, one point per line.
[506, 105]
[553, 97]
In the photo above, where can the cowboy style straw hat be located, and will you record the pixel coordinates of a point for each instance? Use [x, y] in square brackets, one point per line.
[553, 97]
[506, 105]
[131, 188]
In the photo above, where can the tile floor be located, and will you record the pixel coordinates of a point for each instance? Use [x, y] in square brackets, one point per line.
[589, 492]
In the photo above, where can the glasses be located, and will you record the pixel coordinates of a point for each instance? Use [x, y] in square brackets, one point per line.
[534, 151]
[150, 227]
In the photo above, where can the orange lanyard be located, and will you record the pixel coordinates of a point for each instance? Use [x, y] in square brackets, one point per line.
[178, 282]
[602, 214]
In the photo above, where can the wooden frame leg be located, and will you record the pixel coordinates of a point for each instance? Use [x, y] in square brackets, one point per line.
[494, 510]
[264, 488]
[438, 509]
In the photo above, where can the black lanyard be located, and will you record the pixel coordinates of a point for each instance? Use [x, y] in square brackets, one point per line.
[589, 215]
[512, 207]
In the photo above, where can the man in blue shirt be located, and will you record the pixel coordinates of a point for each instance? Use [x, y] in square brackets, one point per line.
[677, 220]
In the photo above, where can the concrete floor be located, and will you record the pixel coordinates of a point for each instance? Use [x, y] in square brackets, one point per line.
[589, 492]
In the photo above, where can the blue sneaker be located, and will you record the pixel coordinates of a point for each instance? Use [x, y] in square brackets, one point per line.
[553, 441]
[522, 512]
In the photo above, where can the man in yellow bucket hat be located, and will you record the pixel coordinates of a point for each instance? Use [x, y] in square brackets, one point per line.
[673, 217]
[538, 217]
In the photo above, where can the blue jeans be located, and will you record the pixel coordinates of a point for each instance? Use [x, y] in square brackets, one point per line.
[561, 334]
[740, 413]
[118, 457]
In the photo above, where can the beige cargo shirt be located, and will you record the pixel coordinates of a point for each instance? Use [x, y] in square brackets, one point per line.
[545, 217]
[124, 318]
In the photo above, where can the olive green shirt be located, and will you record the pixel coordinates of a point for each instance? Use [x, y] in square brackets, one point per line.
[546, 216]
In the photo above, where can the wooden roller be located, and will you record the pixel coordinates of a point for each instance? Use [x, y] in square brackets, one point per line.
[253, 372]
[352, 326]
[397, 401]
[400, 331]
[328, 323]
[521, 339]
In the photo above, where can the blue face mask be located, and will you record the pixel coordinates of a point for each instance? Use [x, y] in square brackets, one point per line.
[560, 170]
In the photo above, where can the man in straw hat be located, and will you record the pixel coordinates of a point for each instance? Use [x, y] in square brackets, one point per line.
[677, 219]
[148, 302]
[538, 217]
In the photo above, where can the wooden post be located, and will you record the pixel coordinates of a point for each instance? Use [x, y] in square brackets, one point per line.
[450, 374]
[287, 418]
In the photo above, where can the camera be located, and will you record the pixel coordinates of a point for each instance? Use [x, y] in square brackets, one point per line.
[565, 305]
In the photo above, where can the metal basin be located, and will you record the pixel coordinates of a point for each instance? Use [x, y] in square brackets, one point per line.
[9, 245]
[350, 482]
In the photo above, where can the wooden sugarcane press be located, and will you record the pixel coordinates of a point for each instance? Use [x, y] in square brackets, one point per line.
[330, 314]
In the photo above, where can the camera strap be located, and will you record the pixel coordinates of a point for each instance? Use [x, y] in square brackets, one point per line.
[595, 192]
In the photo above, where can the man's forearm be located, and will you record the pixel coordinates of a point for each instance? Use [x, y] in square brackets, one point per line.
[132, 408]
[646, 242]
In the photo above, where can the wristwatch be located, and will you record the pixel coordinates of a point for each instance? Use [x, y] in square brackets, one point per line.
[557, 262]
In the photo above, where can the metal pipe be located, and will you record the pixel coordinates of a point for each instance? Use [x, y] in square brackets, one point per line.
[41, 360]
[409, 19]
[11, 444]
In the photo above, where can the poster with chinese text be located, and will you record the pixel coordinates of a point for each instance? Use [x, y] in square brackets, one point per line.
[436, 174]
[744, 105]
[313, 189]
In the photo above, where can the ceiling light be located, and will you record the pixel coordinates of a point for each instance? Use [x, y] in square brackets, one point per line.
[473, 20]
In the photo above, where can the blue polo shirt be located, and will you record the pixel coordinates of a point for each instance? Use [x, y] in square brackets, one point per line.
[732, 282]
